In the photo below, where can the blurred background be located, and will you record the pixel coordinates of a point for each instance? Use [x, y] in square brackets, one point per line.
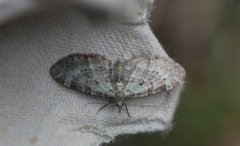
[203, 36]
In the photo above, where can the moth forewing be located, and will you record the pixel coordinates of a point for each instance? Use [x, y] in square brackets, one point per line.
[138, 76]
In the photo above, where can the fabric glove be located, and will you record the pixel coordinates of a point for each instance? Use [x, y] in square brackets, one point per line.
[34, 109]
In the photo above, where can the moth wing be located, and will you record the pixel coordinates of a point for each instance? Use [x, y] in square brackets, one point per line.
[85, 73]
[152, 75]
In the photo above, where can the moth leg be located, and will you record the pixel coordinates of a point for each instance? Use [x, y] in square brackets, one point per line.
[164, 88]
[127, 110]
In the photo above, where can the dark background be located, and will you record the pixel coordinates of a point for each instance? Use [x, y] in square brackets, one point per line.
[204, 37]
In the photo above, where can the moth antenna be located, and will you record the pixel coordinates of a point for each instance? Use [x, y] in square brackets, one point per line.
[143, 105]
[105, 105]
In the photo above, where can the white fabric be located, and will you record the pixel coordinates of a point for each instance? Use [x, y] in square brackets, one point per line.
[132, 11]
[34, 109]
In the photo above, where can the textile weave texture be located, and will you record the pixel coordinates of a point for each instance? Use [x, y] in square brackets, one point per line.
[34, 109]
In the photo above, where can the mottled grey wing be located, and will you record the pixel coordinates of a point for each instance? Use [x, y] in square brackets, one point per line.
[150, 75]
[85, 73]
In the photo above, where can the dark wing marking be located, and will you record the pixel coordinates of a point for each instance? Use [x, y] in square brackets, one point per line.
[85, 73]
[151, 75]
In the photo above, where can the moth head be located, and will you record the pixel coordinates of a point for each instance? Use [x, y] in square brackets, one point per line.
[120, 104]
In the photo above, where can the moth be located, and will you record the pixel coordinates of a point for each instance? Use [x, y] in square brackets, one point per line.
[118, 80]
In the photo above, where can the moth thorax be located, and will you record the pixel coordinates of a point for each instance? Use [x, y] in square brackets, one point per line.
[119, 93]
[119, 86]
